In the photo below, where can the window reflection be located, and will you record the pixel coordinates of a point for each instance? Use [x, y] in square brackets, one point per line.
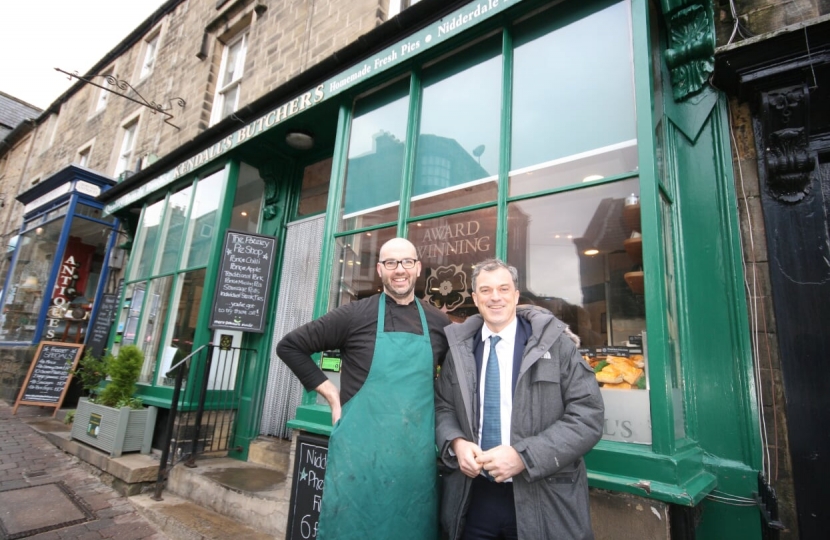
[375, 163]
[248, 200]
[202, 226]
[314, 192]
[457, 155]
[354, 273]
[147, 240]
[573, 260]
[176, 215]
[579, 254]
[577, 130]
[183, 320]
[152, 322]
[448, 247]
[581, 168]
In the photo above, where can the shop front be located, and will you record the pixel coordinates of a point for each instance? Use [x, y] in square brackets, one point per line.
[61, 265]
[547, 134]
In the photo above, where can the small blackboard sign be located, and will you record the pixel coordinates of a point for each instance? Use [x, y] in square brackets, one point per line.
[243, 282]
[310, 459]
[49, 375]
[99, 331]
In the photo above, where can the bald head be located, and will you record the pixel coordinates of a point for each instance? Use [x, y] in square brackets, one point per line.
[401, 247]
[399, 282]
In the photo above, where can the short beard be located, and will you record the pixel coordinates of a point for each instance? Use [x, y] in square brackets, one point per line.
[387, 288]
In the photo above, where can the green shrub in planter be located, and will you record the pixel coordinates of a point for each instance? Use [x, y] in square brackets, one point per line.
[112, 419]
[123, 371]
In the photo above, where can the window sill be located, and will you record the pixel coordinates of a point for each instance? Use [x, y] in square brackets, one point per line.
[677, 479]
[312, 418]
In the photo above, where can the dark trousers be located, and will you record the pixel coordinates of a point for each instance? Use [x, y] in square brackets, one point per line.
[492, 512]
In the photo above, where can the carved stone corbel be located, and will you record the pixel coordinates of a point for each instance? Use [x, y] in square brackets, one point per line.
[690, 55]
[789, 161]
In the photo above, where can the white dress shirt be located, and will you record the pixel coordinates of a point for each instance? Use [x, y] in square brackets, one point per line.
[504, 351]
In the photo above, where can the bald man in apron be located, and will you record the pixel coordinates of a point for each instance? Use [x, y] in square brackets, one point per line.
[381, 479]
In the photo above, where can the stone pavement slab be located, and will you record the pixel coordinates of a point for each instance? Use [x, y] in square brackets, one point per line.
[27, 461]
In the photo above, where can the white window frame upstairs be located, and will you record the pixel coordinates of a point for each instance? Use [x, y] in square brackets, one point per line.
[396, 6]
[84, 155]
[104, 93]
[129, 134]
[224, 88]
[151, 47]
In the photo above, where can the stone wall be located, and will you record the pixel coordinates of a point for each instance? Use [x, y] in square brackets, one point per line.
[764, 16]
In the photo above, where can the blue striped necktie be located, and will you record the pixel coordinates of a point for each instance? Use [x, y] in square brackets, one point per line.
[491, 421]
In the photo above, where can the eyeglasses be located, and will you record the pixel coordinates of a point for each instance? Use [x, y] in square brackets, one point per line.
[392, 264]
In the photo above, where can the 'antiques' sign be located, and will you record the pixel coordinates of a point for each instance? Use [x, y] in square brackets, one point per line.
[243, 282]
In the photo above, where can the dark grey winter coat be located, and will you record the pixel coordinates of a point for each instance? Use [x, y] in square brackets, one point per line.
[557, 418]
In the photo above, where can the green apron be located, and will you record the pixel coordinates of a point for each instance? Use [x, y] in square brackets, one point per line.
[382, 480]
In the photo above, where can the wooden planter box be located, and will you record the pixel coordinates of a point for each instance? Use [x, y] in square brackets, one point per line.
[114, 430]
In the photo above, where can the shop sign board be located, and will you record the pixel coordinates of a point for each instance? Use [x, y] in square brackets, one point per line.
[244, 279]
[100, 328]
[49, 375]
[307, 487]
[417, 43]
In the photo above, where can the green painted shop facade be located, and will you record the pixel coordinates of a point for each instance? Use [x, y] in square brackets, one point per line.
[579, 141]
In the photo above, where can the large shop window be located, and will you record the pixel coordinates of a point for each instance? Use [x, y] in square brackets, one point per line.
[573, 110]
[78, 268]
[457, 153]
[555, 97]
[375, 165]
[164, 290]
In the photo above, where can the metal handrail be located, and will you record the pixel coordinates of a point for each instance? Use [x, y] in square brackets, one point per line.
[240, 357]
[183, 360]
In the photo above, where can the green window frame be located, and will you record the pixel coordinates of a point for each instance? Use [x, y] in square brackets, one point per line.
[672, 464]
[156, 287]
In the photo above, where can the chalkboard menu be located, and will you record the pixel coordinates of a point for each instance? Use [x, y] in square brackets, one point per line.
[310, 458]
[243, 282]
[99, 330]
[49, 375]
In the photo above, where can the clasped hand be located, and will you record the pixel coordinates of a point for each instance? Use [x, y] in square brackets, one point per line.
[502, 462]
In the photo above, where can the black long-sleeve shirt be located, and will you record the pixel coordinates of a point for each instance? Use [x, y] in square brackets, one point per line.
[352, 329]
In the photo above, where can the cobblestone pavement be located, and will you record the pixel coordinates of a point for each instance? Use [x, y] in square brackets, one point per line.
[27, 459]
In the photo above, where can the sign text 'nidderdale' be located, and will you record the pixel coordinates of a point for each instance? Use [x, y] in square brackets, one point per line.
[426, 38]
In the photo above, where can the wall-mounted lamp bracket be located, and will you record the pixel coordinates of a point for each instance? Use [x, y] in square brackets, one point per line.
[126, 87]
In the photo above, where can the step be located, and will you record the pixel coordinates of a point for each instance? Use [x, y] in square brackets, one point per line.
[270, 452]
[253, 494]
[183, 520]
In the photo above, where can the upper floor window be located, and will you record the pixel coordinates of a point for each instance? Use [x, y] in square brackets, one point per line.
[226, 100]
[83, 156]
[104, 93]
[396, 6]
[125, 155]
[150, 50]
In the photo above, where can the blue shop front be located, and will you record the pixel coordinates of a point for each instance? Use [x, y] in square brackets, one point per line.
[62, 262]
